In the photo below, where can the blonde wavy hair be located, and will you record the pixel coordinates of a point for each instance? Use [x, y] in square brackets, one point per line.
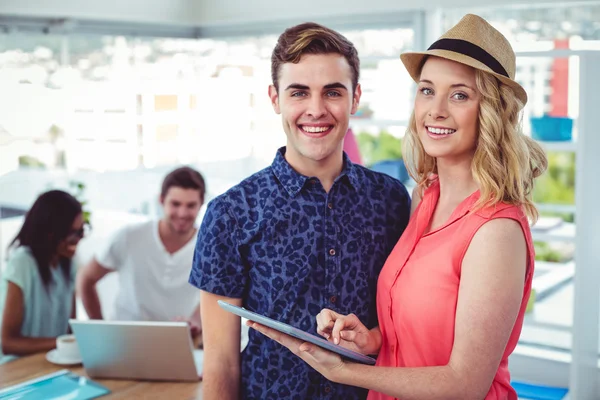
[505, 162]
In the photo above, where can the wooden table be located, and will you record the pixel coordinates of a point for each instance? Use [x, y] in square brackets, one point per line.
[33, 366]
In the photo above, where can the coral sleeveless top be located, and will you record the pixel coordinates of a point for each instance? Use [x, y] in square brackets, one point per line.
[417, 290]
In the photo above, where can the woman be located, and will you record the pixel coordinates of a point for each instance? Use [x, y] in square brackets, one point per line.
[37, 287]
[452, 294]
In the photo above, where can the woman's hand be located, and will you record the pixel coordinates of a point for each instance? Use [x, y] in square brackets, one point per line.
[348, 332]
[327, 363]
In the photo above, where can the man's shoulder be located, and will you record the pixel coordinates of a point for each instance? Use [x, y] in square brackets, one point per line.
[137, 229]
[247, 187]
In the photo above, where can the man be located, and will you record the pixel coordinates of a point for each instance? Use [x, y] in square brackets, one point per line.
[153, 259]
[311, 231]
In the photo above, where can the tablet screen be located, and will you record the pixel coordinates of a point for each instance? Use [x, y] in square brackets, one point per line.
[297, 333]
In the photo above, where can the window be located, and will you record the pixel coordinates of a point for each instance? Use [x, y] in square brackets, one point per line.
[106, 110]
[387, 92]
[165, 102]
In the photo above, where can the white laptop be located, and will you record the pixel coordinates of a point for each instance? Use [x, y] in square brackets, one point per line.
[137, 350]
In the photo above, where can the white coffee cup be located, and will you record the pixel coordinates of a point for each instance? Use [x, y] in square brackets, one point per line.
[67, 347]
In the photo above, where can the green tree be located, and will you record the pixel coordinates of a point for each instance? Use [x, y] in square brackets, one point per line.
[557, 185]
[79, 191]
[30, 161]
[384, 146]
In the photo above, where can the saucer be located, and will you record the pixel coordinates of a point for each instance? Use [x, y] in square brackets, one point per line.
[53, 357]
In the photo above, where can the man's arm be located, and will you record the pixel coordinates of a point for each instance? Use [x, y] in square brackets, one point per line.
[195, 317]
[74, 307]
[73, 312]
[86, 286]
[195, 323]
[218, 270]
[221, 334]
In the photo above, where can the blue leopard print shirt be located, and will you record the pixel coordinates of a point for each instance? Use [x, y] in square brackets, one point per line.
[289, 249]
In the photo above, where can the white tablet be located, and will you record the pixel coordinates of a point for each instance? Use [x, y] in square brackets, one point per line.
[297, 333]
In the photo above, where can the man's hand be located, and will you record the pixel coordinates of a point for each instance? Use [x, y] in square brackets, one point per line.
[195, 329]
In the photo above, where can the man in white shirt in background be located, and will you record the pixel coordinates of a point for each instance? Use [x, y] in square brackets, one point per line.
[153, 260]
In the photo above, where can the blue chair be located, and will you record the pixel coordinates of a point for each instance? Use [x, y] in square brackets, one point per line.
[528, 391]
[553, 129]
[393, 168]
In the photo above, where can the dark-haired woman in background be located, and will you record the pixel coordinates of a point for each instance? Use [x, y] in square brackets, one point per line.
[37, 287]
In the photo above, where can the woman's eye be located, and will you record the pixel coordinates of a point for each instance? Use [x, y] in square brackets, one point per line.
[426, 91]
[460, 96]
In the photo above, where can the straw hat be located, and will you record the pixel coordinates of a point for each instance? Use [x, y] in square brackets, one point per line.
[474, 42]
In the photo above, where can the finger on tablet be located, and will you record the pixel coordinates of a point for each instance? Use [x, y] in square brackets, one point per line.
[339, 325]
[324, 323]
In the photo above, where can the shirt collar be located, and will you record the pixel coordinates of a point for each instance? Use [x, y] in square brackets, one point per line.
[465, 207]
[293, 182]
[351, 171]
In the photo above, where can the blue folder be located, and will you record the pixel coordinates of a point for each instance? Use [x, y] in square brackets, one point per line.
[58, 385]
[538, 392]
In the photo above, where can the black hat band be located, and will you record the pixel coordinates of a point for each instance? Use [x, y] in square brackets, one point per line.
[471, 50]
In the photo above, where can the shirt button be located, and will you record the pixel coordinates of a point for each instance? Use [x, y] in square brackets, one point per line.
[330, 206]
[327, 389]
[332, 252]
[333, 299]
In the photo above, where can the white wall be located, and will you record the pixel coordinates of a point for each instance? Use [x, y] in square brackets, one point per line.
[171, 12]
[210, 13]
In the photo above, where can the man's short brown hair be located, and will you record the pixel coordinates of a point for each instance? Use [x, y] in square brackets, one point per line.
[186, 178]
[312, 38]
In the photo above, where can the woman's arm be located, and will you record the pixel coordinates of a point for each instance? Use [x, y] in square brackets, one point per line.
[489, 299]
[13, 342]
